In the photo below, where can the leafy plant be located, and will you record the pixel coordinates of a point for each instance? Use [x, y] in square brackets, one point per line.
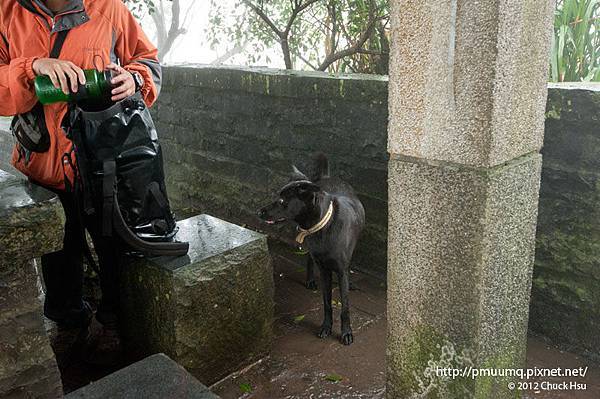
[333, 378]
[576, 41]
[332, 35]
[246, 388]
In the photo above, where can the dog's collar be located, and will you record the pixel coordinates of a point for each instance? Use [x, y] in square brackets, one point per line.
[319, 226]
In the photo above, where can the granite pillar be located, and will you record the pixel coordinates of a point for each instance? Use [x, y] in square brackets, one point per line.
[467, 100]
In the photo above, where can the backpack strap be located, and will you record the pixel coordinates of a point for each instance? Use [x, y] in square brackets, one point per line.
[173, 248]
[108, 193]
[58, 43]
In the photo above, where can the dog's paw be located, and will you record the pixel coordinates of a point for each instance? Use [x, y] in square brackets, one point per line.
[324, 332]
[311, 284]
[347, 338]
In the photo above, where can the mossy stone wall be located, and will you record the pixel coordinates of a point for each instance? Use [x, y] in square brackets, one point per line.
[565, 302]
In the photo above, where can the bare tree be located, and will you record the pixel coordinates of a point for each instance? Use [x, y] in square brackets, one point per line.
[161, 11]
[167, 36]
[237, 49]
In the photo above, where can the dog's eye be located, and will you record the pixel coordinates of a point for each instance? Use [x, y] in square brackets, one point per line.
[281, 201]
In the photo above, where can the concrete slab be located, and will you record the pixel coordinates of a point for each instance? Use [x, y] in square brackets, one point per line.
[156, 377]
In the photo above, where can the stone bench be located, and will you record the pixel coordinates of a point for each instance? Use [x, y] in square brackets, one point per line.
[212, 310]
[156, 377]
[31, 224]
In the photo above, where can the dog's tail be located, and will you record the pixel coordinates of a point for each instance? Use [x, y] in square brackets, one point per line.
[320, 166]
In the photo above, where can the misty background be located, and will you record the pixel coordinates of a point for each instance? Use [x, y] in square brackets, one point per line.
[194, 45]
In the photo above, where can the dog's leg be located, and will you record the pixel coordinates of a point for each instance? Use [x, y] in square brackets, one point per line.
[327, 309]
[347, 337]
[311, 284]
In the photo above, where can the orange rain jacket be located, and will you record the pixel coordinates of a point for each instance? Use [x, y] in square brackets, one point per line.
[101, 31]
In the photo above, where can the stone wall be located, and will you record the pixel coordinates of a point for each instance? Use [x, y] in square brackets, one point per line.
[566, 282]
[230, 136]
[30, 225]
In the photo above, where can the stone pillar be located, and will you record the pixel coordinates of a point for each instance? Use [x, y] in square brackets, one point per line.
[467, 100]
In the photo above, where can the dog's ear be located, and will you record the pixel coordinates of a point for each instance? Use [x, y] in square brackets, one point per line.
[297, 175]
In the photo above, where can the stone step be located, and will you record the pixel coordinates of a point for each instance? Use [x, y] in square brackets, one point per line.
[155, 377]
[30, 225]
[212, 310]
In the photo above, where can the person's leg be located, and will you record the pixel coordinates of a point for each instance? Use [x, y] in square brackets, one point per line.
[108, 251]
[63, 273]
[105, 347]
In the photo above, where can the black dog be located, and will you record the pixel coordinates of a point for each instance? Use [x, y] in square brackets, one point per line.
[330, 218]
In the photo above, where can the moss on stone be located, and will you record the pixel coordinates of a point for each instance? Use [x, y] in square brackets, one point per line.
[413, 371]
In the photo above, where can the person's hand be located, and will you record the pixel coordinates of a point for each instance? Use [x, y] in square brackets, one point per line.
[124, 85]
[60, 72]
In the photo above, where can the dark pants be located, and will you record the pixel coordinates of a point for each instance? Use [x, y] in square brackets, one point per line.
[107, 249]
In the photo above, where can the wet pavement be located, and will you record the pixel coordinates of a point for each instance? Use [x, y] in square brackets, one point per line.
[303, 366]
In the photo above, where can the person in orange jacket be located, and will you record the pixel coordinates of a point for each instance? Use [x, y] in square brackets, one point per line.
[102, 33]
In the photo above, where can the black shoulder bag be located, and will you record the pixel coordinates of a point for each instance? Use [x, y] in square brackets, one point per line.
[30, 128]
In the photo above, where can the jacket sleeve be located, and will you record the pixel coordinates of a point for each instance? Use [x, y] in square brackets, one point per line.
[17, 94]
[138, 54]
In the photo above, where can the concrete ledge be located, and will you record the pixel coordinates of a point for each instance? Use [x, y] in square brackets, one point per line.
[156, 377]
[278, 82]
[211, 311]
[30, 225]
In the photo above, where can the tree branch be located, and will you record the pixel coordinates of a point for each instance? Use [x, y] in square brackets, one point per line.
[174, 30]
[370, 52]
[265, 18]
[334, 27]
[307, 62]
[353, 49]
[230, 53]
[299, 7]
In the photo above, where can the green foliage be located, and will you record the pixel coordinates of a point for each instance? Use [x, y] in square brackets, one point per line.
[576, 41]
[139, 7]
[315, 32]
[334, 378]
[299, 318]
[246, 388]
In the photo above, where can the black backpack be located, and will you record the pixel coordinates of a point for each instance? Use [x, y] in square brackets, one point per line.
[120, 175]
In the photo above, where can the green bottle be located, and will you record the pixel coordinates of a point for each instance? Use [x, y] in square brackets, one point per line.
[97, 88]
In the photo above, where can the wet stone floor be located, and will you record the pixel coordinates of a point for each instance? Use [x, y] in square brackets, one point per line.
[303, 366]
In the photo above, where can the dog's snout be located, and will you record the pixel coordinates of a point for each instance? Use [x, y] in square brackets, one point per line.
[261, 213]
